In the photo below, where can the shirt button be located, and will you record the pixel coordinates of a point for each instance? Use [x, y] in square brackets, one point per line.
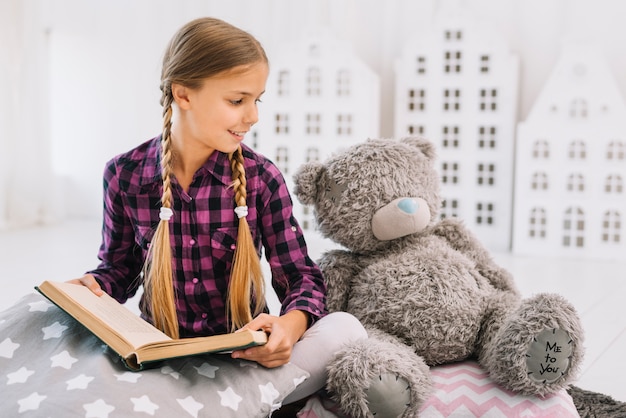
[195, 280]
[192, 241]
[204, 315]
[293, 228]
[233, 246]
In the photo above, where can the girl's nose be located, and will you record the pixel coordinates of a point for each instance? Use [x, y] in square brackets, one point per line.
[252, 115]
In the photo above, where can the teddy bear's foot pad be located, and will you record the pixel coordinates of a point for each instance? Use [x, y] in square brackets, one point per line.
[548, 357]
[388, 395]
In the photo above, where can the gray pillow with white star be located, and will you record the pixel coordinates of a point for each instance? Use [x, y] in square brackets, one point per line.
[50, 365]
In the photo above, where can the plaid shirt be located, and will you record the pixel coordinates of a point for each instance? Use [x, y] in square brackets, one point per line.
[203, 233]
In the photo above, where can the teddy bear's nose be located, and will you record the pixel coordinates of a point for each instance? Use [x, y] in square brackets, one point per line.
[408, 205]
[400, 217]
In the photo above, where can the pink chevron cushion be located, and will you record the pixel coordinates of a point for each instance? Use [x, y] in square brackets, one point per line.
[465, 390]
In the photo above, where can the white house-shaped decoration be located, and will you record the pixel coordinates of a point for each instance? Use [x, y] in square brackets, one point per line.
[571, 163]
[320, 97]
[457, 85]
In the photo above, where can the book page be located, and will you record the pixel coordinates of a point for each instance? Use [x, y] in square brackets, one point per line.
[116, 316]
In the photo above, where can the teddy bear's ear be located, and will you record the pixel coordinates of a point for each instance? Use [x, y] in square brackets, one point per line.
[306, 180]
[426, 146]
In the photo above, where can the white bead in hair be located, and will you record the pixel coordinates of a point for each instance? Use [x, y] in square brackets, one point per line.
[165, 213]
[241, 211]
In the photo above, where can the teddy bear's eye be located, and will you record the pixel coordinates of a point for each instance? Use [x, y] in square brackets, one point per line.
[334, 190]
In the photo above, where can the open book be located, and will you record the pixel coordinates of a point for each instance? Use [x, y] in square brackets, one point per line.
[134, 339]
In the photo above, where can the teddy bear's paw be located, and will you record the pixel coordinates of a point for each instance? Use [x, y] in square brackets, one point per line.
[548, 356]
[388, 395]
[379, 375]
[539, 347]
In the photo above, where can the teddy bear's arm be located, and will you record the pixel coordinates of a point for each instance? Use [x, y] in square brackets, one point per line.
[464, 241]
[339, 268]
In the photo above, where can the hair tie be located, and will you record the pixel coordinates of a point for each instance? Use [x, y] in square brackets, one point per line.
[165, 213]
[241, 211]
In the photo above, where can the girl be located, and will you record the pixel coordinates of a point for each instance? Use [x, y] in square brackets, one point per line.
[215, 202]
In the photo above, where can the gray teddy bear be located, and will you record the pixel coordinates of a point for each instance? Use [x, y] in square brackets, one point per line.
[426, 289]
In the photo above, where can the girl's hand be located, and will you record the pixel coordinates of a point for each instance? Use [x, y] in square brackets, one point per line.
[89, 282]
[284, 331]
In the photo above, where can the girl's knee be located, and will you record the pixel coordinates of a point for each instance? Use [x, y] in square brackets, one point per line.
[346, 326]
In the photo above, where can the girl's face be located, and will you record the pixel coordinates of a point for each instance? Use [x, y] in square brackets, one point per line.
[219, 114]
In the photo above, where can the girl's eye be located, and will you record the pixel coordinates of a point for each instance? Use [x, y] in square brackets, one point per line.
[236, 102]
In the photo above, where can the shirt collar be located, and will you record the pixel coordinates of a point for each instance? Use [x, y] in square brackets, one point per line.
[216, 165]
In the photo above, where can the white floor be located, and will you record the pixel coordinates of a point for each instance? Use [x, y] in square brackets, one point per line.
[597, 289]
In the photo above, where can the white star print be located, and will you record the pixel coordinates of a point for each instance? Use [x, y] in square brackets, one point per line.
[229, 399]
[30, 403]
[129, 377]
[41, 306]
[97, 409]
[246, 363]
[79, 382]
[190, 405]
[144, 404]
[170, 371]
[53, 331]
[268, 393]
[7, 347]
[19, 376]
[207, 370]
[298, 380]
[63, 359]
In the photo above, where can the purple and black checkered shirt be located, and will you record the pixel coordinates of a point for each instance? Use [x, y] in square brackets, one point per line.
[203, 233]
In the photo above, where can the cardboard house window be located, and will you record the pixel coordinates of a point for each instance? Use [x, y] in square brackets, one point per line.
[313, 124]
[577, 150]
[421, 65]
[283, 83]
[484, 213]
[578, 109]
[615, 151]
[416, 129]
[417, 100]
[484, 64]
[451, 100]
[449, 173]
[452, 62]
[541, 150]
[312, 154]
[574, 228]
[488, 99]
[487, 137]
[450, 136]
[282, 159]
[314, 82]
[612, 227]
[614, 184]
[539, 181]
[575, 183]
[282, 123]
[343, 83]
[486, 174]
[449, 208]
[537, 223]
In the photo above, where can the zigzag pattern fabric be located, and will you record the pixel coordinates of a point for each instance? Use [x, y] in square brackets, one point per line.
[465, 390]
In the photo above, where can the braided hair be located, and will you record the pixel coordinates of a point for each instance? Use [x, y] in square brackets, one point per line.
[201, 49]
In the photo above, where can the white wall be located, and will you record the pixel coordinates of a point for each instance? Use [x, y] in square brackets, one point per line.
[100, 67]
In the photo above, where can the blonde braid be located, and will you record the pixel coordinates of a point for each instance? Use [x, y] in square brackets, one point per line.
[246, 274]
[159, 275]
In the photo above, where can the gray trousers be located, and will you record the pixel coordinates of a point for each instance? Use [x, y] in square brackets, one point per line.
[317, 348]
